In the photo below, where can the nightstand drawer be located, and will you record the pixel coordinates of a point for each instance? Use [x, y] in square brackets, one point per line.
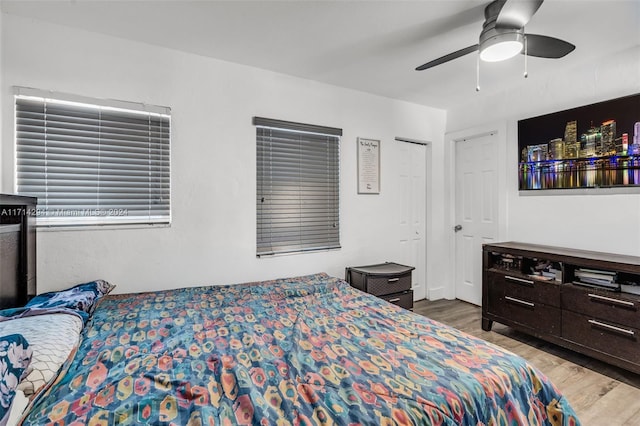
[387, 285]
[403, 299]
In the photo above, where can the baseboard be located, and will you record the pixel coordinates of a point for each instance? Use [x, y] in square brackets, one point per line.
[436, 293]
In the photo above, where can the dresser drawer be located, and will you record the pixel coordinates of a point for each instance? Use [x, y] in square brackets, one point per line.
[403, 299]
[535, 315]
[527, 289]
[606, 305]
[603, 335]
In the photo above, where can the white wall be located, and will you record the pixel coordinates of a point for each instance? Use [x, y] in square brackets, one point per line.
[598, 220]
[212, 237]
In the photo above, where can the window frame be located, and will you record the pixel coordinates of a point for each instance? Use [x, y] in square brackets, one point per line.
[62, 216]
[323, 233]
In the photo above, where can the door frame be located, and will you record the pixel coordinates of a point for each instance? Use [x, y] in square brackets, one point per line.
[504, 168]
[428, 273]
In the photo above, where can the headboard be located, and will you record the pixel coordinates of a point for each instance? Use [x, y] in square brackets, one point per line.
[17, 250]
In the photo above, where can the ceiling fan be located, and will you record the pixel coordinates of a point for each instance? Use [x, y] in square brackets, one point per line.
[503, 35]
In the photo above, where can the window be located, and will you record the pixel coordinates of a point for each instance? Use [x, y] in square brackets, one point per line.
[298, 180]
[90, 163]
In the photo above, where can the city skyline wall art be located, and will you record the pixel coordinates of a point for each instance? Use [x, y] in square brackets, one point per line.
[592, 146]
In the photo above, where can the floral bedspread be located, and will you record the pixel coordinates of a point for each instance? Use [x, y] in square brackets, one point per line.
[300, 351]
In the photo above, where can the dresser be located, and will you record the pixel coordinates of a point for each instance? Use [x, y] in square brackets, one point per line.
[389, 281]
[583, 300]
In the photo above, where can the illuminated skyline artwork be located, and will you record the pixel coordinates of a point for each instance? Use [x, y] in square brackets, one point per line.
[592, 146]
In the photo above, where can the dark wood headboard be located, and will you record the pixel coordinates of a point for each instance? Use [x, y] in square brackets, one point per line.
[17, 250]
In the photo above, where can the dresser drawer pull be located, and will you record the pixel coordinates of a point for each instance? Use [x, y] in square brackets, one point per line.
[519, 280]
[397, 299]
[393, 280]
[612, 327]
[612, 300]
[521, 302]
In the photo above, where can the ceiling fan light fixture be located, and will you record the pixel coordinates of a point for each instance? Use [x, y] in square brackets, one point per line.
[503, 37]
[502, 46]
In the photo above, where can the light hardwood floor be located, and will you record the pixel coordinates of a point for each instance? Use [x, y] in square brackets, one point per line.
[599, 393]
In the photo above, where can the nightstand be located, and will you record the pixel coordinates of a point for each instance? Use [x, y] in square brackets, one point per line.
[389, 281]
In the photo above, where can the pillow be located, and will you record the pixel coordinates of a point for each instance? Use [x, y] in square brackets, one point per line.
[52, 338]
[15, 356]
[23, 312]
[83, 297]
[20, 403]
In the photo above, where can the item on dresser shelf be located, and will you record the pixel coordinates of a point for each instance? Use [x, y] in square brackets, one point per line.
[595, 274]
[630, 288]
[544, 271]
[541, 265]
[542, 277]
[546, 268]
[588, 283]
[557, 273]
[507, 261]
[592, 277]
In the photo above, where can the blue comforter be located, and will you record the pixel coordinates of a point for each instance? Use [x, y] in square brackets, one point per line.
[301, 351]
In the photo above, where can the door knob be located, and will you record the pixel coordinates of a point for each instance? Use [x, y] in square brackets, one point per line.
[457, 228]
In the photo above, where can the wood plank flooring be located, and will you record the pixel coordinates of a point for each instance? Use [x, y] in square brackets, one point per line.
[600, 394]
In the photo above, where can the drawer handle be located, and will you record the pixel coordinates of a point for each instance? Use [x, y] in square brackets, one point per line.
[521, 302]
[393, 280]
[612, 300]
[397, 299]
[519, 280]
[612, 327]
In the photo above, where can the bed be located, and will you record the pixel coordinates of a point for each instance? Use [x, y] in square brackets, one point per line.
[298, 351]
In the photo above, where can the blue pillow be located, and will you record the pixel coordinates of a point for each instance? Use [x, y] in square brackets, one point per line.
[15, 356]
[82, 297]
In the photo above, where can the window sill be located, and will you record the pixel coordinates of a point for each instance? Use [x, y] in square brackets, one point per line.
[295, 253]
[107, 227]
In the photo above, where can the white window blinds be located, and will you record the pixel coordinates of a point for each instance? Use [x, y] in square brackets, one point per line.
[92, 164]
[298, 180]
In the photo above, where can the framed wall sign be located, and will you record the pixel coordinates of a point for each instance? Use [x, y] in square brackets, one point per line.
[592, 146]
[368, 166]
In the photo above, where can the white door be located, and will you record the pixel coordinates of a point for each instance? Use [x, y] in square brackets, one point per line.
[476, 210]
[413, 203]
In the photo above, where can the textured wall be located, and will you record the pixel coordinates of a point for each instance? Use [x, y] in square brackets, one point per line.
[212, 237]
[602, 220]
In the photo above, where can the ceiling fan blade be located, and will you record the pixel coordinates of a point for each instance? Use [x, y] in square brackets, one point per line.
[516, 13]
[449, 57]
[547, 47]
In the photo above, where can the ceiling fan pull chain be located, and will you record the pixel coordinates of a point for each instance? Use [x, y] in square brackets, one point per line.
[526, 73]
[478, 72]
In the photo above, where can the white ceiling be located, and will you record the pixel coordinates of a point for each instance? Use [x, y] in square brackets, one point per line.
[372, 46]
